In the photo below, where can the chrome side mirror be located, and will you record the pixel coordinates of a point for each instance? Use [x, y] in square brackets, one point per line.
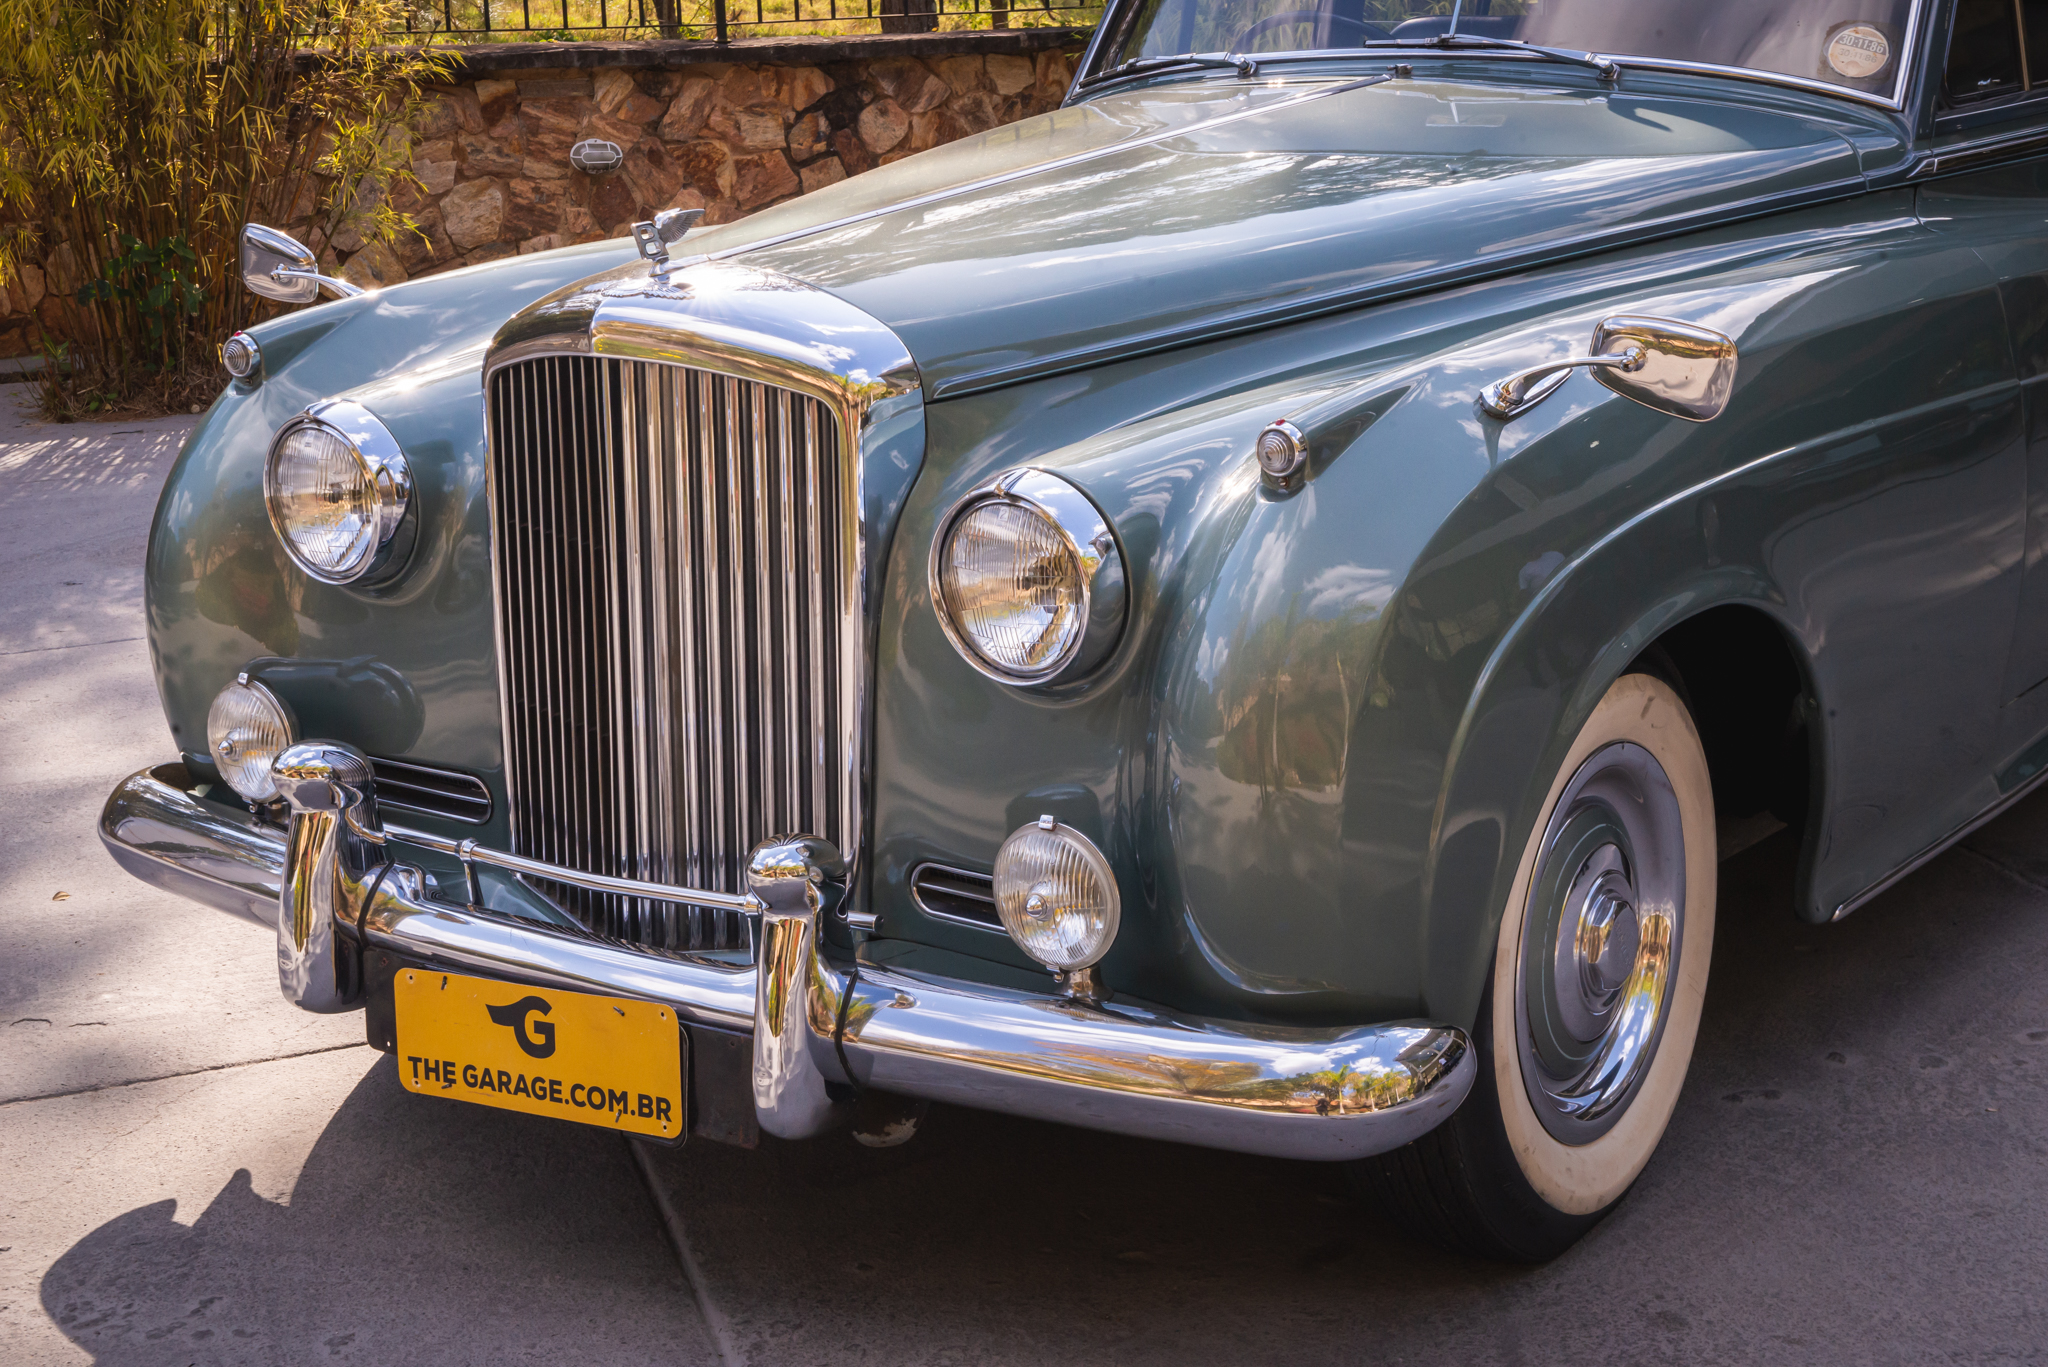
[278, 266]
[1675, 368]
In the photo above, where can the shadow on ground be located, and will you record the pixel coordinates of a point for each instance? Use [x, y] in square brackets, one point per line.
[416, 1233]
[1853, 1175]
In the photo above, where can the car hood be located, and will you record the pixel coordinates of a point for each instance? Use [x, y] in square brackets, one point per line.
[1145, 220]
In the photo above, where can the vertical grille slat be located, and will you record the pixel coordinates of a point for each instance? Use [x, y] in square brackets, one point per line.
[673, 586]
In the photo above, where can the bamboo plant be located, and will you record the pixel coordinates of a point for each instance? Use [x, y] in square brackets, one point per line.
[137, 138]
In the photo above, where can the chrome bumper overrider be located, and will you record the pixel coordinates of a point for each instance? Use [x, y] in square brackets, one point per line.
[1284, 1091]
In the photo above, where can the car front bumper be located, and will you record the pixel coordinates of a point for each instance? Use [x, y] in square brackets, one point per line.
[1282, 1091]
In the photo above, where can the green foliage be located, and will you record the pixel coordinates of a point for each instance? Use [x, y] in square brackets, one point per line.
[137, 138]
[160, 283]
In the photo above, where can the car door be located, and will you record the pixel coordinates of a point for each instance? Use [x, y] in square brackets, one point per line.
[1987, 185]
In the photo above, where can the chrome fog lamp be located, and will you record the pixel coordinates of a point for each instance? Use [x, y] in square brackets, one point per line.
[246, 728]
[1027, 580]
[338, 488]
[1056, 895]
[240, 356]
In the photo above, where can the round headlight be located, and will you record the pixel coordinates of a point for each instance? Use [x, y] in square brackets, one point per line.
[246, 728]
[338, 488]
[1027, 580]
[1056, 895]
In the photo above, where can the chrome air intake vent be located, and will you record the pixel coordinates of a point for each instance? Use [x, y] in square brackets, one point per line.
[956, 895]
[449, 793]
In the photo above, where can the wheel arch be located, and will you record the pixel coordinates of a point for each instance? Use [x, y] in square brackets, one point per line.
[1549, 671]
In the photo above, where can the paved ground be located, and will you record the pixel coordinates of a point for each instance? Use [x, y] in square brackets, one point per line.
[194, 1172]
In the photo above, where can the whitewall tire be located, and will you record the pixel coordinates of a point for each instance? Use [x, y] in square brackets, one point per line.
[1593, 1003]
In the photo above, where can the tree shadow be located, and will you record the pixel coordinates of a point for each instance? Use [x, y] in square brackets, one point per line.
[1850, 1177]
[418, 1230]
[1833, 1189]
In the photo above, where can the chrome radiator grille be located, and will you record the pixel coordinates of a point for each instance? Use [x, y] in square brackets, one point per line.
[677, 606]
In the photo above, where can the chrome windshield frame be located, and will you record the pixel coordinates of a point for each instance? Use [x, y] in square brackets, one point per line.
[1896, 102]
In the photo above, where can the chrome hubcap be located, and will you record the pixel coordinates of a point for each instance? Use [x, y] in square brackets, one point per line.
[1599, 949]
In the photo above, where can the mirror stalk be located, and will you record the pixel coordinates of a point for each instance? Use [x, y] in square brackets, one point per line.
[340, 289]
[1675, 368]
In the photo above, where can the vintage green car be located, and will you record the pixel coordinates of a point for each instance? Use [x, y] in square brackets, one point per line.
[1244, 610]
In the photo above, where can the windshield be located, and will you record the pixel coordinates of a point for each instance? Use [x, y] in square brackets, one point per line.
[1855, 44]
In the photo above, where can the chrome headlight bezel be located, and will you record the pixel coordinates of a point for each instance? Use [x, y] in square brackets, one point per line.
[1088, 539]
[383, 464]
[1018, 920]
[264, 787]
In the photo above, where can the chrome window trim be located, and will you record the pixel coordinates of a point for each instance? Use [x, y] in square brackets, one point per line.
[1978, 152]
[753, 325]
[1895, 102]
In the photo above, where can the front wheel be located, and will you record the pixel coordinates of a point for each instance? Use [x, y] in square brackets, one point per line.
[1587, 1023]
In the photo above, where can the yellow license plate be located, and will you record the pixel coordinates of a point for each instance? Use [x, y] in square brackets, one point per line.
[600, 1060]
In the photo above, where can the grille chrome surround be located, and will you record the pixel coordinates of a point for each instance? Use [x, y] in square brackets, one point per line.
[681, 681]
[680, 567]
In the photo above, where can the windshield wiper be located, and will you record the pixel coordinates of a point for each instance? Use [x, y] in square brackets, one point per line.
[1608, 68]
[1138, 66]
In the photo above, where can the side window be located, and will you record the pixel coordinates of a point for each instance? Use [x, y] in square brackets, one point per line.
[1998, 48]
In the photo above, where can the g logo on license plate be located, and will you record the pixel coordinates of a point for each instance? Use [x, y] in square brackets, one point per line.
[519, 1015]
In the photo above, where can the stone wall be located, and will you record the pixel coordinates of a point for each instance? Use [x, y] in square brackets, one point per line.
[771, 121]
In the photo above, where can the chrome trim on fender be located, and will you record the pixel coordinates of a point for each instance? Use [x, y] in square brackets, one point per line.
[241, 356]
[1283, 1091]
[1282, 452]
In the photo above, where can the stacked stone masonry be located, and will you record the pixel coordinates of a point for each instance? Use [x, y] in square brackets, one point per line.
[492, 155]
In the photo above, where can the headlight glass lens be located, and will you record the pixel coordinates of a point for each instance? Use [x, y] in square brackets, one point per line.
[247, 728]
[1013, 588]
[1056, 895]
[324, 502]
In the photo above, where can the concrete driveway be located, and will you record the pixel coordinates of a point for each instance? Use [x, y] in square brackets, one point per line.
[195, 1172]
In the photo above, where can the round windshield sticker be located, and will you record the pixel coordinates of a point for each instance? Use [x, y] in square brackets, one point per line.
[1858, 52]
